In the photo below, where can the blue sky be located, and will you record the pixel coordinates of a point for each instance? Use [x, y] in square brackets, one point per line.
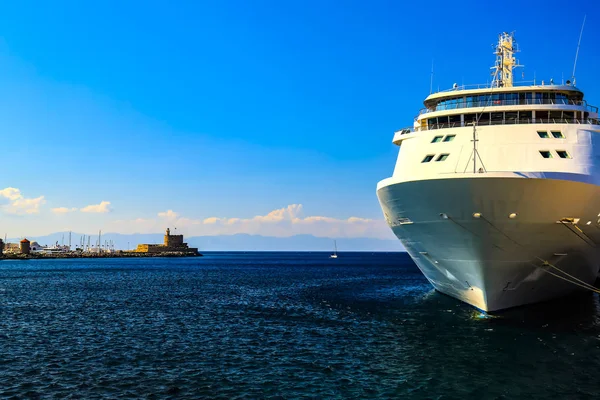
[232, 109]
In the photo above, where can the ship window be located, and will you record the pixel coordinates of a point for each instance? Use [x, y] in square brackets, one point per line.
[454, 120]
[442, 157]
[497, 118]
[449, 138]
[555, 116]
[557, 134]
[568, 116]
[512, 99]
[428, 158]
[432, 123]
[545, 98]
[469, 119]
[511, 117]
[484, 119]
[541, 116]
[563, 154]
[543, 134]
[545, 154]
[561, 98]
[437, 139]
[524, 116]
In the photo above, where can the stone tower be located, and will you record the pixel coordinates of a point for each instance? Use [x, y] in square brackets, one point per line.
[167, 236]
[25, 246]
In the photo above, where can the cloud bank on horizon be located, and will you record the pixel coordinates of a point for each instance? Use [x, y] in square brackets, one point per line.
[282, 222]
[286, 221]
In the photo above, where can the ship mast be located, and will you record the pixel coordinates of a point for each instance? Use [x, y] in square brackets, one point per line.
[505, 61]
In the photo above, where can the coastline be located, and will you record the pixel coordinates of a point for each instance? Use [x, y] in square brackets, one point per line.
[120, 254]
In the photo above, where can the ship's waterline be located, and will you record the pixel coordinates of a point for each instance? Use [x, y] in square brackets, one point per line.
[484, 239]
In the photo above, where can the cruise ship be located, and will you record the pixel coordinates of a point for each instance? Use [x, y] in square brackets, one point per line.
[495, 192]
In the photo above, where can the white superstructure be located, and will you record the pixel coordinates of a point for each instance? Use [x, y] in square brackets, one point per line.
[495, 194]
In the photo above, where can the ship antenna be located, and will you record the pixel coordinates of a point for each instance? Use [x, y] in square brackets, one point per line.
[577, 52]
[431, 79]
[475, 153]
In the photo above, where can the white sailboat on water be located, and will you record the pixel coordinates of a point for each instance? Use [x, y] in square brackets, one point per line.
[334, 255]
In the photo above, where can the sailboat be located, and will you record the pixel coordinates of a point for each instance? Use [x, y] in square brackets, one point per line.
[334, 255]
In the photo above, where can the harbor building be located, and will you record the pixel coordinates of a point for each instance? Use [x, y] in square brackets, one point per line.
[11, 248]
[25, 246]
[171, 244]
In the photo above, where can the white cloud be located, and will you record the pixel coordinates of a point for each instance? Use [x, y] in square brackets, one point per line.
[287, 213]
[63, 210]
[103, 207]
[11, 193]
[18, 204]
[286, 221]
[168, 214]
[211, 220]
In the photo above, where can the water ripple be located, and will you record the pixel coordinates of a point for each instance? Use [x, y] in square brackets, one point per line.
[246, 326]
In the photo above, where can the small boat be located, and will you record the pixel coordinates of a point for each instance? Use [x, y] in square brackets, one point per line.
[334, 255]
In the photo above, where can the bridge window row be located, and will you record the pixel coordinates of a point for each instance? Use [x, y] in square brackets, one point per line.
[522, 98]
[500, 118]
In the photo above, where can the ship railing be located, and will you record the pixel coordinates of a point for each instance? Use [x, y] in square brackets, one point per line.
[406, 131]
[488, 85]
[494, 103]
[505, 121]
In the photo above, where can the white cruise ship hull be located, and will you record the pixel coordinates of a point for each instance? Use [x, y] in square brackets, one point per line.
[484, 239]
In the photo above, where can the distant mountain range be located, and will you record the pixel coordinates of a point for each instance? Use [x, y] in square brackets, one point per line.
[239, 242]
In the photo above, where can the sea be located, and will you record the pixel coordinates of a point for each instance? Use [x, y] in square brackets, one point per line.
[279, 326]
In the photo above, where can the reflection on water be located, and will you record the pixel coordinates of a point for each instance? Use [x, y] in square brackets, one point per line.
[263, 325]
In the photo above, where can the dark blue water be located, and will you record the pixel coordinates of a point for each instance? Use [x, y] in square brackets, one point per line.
[278, 325]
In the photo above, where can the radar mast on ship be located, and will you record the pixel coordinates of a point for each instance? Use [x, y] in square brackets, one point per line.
[505, 61]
